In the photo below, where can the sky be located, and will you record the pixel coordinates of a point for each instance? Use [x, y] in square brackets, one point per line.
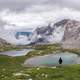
[21, 14]
[30, 14]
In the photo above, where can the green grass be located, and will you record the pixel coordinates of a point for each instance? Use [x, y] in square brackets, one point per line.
[8, 48]
[53, 48]
[59, 73]
[44, 49]
[76, 51]
[11, 68]
[8, 66]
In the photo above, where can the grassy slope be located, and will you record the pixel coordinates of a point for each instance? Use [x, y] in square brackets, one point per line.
[13, 69]
[54, 48]
[8, 48]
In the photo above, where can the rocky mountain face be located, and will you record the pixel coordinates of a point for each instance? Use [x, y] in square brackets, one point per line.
[49, 34]
[53, 33]
[66, 32]
[42, 35]
[4, 44]
[71, 38]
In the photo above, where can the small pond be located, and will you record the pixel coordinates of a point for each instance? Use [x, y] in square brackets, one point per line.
[14, 53]
[53, 59]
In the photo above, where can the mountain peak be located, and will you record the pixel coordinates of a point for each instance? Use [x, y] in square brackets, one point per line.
[61, 22]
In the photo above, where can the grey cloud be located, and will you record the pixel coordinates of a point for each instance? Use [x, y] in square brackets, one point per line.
[2, 23]
[19, 5]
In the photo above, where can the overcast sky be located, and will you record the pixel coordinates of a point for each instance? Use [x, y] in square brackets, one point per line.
[18, 14]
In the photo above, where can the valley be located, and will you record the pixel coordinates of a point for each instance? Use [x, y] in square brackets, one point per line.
[39, 39]
[38, 60]
[12, 68]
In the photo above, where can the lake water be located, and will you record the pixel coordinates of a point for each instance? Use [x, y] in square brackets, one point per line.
[52, 59]
[14, 53]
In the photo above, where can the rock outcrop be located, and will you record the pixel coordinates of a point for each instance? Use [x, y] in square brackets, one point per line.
[4, 45]
[71, 38]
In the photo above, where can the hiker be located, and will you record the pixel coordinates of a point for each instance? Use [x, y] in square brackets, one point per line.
[60, 60]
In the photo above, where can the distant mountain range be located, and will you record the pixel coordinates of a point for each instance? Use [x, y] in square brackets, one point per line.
[49, 34]
[66, 32]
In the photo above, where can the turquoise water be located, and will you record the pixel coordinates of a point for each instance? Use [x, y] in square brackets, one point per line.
[52, 59]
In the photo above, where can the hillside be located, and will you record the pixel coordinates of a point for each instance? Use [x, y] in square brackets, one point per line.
[4, 45]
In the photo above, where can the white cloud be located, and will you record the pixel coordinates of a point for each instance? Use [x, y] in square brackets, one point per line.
[34, 19]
